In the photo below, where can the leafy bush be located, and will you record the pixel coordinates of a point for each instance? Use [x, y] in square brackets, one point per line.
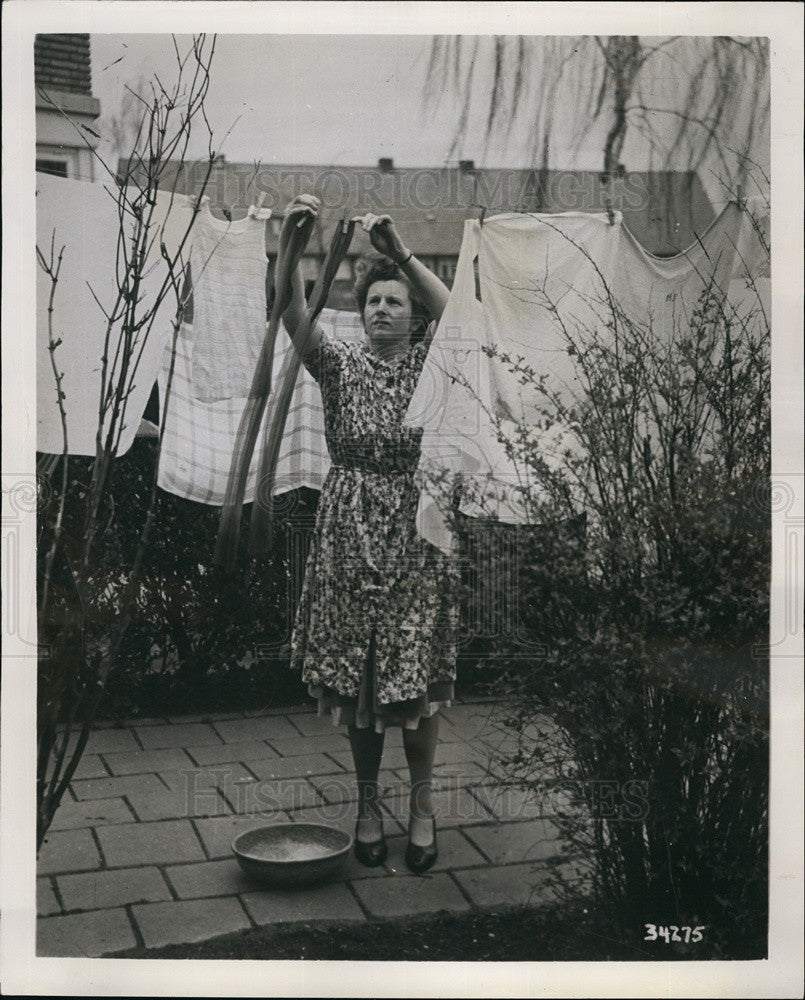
[643, 585]
[198, 640]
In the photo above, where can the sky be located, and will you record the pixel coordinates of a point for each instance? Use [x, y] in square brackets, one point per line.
[351, 99]
[302, 98]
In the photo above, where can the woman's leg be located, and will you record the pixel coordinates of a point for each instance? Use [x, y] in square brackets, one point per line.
[420, 751]
[367, 751]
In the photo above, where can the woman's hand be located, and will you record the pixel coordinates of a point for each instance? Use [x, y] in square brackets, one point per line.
[384, 236]
[304, 206]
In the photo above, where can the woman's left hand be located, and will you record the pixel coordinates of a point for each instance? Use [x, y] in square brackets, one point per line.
[384, 236]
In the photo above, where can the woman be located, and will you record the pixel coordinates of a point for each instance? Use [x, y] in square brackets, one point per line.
[374, 635]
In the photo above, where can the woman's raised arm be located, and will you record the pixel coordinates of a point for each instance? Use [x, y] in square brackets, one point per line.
[384, 236]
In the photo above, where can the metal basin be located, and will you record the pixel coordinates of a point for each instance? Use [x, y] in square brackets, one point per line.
[292, 854]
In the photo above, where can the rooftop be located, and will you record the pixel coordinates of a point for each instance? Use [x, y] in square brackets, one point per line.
[663, 210]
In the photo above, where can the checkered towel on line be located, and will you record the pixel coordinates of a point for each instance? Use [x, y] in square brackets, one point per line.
[199, 437]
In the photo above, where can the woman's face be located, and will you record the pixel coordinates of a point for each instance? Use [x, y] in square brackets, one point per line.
[387, 313]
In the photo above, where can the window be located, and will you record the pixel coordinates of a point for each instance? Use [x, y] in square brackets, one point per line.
[446, 268]
[56, 167]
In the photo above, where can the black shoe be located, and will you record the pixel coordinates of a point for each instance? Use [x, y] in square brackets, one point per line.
[370, 853]
[419, 859]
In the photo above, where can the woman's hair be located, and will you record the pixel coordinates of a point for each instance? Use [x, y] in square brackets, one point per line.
[376, 267]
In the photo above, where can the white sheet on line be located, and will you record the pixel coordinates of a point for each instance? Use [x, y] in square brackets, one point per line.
[84, 218]
[541, 280]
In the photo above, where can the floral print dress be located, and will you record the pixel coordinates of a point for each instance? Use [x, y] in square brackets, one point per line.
[375, 630]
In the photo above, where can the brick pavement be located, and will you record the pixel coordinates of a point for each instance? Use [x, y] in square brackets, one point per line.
[140, 852]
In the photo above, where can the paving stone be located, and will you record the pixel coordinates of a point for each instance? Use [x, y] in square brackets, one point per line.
[170, 804]
[290, 767]
[149, 843]
[108, 788]
[459, 752]
[191, 734]
[329, 901]
[393, 758]
[209, 878]
[334, 744]
[90, 766]
[509, 802]
[226, 753]
[188, 920]
[507, 885]
[506, 843]
[405, 895]
[111, 741]
[343, 787]
[98, 890]
[525, 739]
[84, 935]
[68, 851]
[218, 832]
[462, 773]
[343, 816]
[106, 741]
[198, 782]
[145, 761]
[46, 902]
[312, 724]
[453, 806]
[261, 727]
[97, 812]
[271, 795]
[473, 724]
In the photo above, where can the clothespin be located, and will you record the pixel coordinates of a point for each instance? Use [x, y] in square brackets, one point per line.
[610, 211]
[482, 216]
[256, 211]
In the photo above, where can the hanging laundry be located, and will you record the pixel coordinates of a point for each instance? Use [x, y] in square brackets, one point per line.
[84, 219]
[463, 432]
[172, 223]
[542, 279]
[749, 292]
[199, 438]
[228, 261]
[543, 282]
[660, 294]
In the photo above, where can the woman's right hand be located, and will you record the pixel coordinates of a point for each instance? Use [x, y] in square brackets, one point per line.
[304, 206]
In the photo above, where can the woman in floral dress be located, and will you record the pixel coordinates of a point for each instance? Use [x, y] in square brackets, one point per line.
[374, 635]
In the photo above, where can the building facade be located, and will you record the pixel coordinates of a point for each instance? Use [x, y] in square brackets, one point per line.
[663, 210]
[64, 100]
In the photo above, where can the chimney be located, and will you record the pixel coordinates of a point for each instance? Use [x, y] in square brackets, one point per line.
[466, 166]
[385, 164]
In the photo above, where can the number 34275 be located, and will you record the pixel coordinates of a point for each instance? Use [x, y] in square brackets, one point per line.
[671, 933]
